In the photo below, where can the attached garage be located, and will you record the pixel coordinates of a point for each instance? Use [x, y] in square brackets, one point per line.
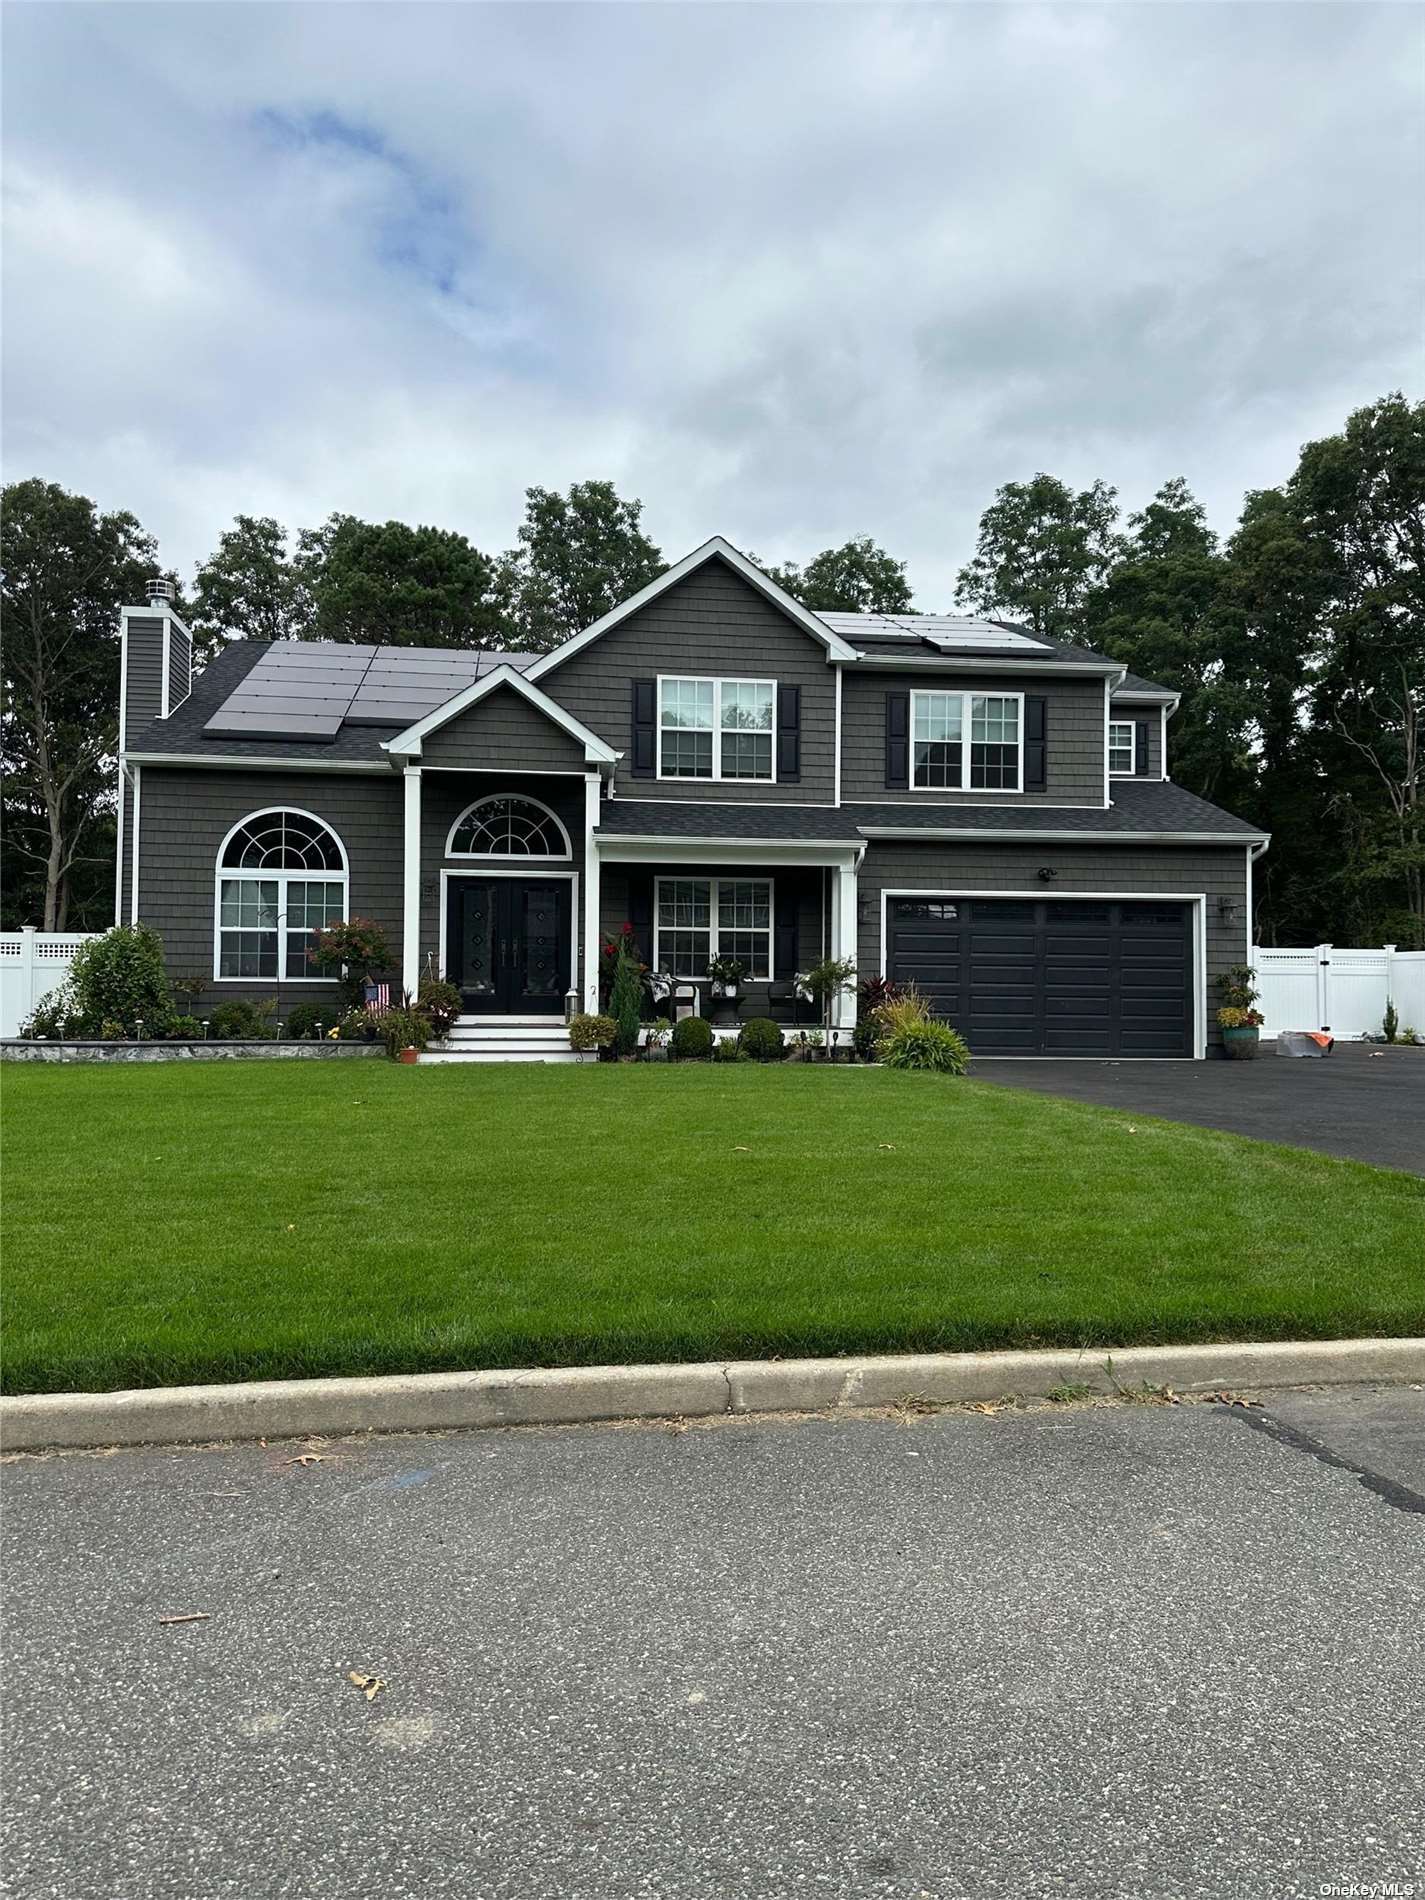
[1055, 976]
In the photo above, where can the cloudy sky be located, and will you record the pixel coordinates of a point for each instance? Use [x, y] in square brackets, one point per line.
[787, 272]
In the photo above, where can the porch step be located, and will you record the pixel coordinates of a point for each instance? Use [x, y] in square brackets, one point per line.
[505, 1039]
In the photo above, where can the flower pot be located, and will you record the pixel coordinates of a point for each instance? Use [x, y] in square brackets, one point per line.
[1241, 1044]
[409, 1055]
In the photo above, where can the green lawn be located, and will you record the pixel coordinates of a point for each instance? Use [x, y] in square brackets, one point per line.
[255, 1220]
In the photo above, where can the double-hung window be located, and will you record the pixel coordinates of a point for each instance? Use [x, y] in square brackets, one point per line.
[967, 742]
[716, 728]
[281, 875]
[699, 918]
[1120, 748]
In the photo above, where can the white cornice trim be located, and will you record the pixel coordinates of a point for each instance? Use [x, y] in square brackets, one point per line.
[1047, 669]
[227, 763]
[407, 744]
[982, 834]
[715, 549]
[760, 851]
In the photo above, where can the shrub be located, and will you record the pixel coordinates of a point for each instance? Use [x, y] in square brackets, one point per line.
[111, 1030]
[725, 1049]
[592, 1032]
[866, 1036]
[439, 1003]
[760, 1040]
[242, 1021]
[402, 1028]
[876, 991]
[692, 1039]
[53, 1018]
[357, 1025]
[1238, 987]
[120, 978]
[903, 1011]
[925, 1045]
[185, 1029]
[356, 945]
[302, 1021]
[1390, 1024]
[626, 1002]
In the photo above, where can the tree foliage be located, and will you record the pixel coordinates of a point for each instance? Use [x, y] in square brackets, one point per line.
[858, 577]
[1041, 551]
[388, 584]
[579, 556]
[67, 569]
[249, 588]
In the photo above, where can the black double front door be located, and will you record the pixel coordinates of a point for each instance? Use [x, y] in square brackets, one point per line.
[508, 941]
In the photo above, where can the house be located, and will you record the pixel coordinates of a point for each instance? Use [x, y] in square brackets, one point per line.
[946, 799]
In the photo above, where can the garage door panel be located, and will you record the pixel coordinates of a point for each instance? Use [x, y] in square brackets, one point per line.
[1079, 976]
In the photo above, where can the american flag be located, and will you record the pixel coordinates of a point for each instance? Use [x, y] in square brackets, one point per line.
[378, 998]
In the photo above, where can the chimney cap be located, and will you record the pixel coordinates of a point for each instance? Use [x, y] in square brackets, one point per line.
[161, 590]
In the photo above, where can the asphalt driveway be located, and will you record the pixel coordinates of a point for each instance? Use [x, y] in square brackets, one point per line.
[1365, 1103]
[1124, 1652]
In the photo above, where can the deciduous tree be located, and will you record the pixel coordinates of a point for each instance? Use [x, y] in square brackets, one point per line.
[579, 556]
[1041, 551]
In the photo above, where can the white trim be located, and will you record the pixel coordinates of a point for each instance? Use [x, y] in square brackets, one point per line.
[836, 648]
[591, 895]
[717, 681]
[165, 645]
[953, 800]
[664, 850]
[411, 880]
[966, 742]
[1132, 696]
[836, 769]
[1132, 725]
[506, 857]
[123, 704]
[1107, 723]
[227, 763]
[1198, 899]
[1047, 669]
[221, 871]
[982, 835]
[508, 771]
[712, 880]
[742, 804]
[407, 744]
[134, 871]
[537, 877]
[1163, 743]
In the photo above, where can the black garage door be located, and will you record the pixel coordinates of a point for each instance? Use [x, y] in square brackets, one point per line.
[1050, 977]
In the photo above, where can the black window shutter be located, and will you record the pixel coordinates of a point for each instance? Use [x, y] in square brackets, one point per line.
[645, 737]
[898, 741]
[1036, 744]
[640, 911]
[1140, 748]
[789, 734]
[784, 943]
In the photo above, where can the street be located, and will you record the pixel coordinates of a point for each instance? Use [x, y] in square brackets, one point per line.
[1106, 1649]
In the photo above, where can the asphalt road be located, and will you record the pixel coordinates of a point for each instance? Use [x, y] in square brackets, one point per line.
[1132, 1650]
[1362, 1102]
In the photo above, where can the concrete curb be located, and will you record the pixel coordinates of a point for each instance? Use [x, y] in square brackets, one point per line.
[572, 1395]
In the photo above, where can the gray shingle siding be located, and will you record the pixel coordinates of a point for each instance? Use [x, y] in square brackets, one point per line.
[711, 623]
[502, 732]
[445, 795]
[184, 815]
[1148, 871]
[143, 672]
[1074, 726]
[1152, 718]
[180, 666]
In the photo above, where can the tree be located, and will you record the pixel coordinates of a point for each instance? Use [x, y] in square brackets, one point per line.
[67, 569]
[393, 585]
[1041, 551]
[248, 588]
[856, 578]
[580, 555]
[1164, 610]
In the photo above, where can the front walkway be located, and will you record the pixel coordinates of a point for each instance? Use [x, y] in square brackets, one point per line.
[1366, 1103]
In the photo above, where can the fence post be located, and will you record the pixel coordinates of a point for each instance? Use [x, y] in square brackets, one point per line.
[1323, 986]
[27, 969]
[1389, 974]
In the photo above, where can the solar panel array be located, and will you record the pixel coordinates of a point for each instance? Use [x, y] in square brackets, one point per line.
[307, 689]
[948, 631]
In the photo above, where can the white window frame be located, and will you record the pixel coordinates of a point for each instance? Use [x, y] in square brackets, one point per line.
[508, 857]
[714, 884]
[967, 699]
[717, 682]
[1132, 725]
[227, 873]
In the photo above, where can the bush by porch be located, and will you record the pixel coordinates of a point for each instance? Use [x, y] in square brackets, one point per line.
[220, 1222]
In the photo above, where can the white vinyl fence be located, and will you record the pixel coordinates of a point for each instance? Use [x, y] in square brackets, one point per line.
[32, 963]
[1345, 991]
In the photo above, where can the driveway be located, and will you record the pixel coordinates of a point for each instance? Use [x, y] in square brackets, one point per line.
[1365, 1103]
[1132, 1650]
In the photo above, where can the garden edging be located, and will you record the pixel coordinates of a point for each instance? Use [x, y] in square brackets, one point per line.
[293, 1408]
[33, 1050]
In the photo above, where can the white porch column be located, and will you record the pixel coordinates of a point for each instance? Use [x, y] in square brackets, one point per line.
[843, 933]
[411, 884]
[591, 894]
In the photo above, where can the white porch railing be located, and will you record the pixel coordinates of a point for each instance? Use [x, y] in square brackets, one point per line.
[1322, 986]
[32, 963]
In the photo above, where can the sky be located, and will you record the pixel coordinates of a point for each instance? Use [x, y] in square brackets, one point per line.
[787, 273]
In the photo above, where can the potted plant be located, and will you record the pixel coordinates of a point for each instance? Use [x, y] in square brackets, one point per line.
[656, 1039]
[824, 983]
[726, 975]
[807, 1045]
[592, 1034]
[1238, 1019]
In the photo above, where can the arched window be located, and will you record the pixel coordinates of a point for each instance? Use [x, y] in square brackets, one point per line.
[280, 876]
[506, 827]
